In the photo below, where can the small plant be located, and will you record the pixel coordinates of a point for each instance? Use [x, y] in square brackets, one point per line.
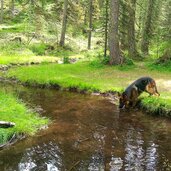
[96, 63]
[4, 136]
[128, 61]
[66, 60]
[38, 49]
[105, 60]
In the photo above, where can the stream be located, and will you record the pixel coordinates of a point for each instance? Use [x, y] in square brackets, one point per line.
[88, 133]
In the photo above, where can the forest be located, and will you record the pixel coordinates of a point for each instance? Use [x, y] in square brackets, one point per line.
[64, 68]
[122, 30]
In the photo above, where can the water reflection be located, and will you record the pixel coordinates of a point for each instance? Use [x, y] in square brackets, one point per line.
[151, 157]
[134, 157]
[96, 162]
[138, 156]
[116, 164]
[44, 157]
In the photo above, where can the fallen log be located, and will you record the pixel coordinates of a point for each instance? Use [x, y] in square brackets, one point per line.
[4, 124]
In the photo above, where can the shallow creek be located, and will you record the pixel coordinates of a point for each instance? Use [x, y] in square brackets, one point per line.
[88, 133]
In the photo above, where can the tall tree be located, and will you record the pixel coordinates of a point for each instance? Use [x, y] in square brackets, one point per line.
[2, 11]
[140, 17]
[90, 23]
[123, 25]
[12, 8]
[115, 57]
[106, 26]
[147, 30]
[132, 51]
[64, 23]
[166, 21]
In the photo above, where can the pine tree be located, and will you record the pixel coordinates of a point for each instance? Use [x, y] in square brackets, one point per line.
[64, 23]
[115, 57]
[2, 11]
[90, 23]
[132, 49]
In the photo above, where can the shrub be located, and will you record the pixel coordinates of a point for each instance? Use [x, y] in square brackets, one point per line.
[38, 49]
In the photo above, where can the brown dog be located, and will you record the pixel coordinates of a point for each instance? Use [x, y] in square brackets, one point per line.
[130, 96]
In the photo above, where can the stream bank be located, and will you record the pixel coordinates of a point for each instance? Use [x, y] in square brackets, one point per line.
[86, 77]
[150, 105]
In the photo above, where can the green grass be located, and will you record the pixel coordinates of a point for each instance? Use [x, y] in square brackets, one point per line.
[164, 68]
[160, 67]
[92, 76]
[160, 106]
[15, 28]
[13, 110]
[14, 53]
[84, 76]
[21, 59]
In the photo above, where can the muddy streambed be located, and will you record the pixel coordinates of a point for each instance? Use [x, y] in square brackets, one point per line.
[88, 133]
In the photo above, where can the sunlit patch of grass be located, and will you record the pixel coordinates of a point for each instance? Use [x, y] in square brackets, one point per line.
[84, 75]
[13, 110]
[19, 59]
[81, 75]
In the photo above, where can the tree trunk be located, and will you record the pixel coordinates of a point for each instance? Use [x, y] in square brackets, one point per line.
[90, 23]
[85, 16]
[12, 8]
[132, 51]
[141, 12]
[64, 22]
[106, 26]
[146, 35]
[123, 26]
[115, 57]
[2, 11]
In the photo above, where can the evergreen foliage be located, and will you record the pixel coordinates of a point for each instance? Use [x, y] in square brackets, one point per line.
[142, 24]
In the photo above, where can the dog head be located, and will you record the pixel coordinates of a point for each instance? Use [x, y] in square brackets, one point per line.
[123, 100]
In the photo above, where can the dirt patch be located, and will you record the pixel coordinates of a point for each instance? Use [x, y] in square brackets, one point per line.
[164, 85]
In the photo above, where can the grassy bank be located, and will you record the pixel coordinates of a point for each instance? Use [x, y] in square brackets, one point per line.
[92, 76]
[13, 110]
[157, 105]
[23, 59]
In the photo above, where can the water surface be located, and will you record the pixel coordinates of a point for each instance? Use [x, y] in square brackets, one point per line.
[88, 133]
